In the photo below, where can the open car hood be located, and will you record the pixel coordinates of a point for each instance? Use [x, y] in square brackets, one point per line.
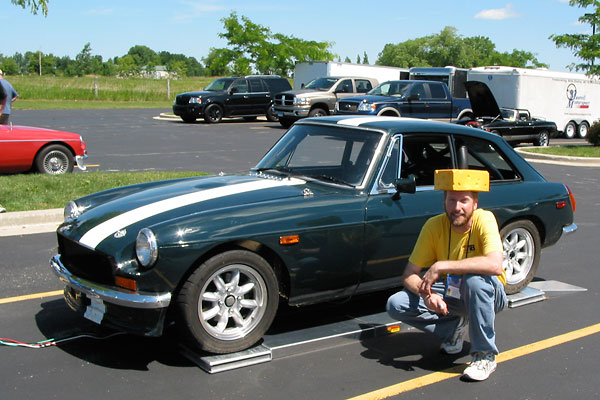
[482, 100]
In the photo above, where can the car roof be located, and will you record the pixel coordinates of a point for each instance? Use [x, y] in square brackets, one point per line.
[394, 125]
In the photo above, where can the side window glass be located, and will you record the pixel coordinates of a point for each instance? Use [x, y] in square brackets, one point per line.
[256, 86]
[363, 85]
[344, 86]
[437, 92]
[483, 155]
[239, 86]
[418, 90]
[422, 154]
[390, 171]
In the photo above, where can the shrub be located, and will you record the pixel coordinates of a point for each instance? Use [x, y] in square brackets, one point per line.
[593, 135]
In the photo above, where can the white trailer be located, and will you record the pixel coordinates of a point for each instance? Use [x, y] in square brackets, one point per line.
[305, 72]
[570, 100]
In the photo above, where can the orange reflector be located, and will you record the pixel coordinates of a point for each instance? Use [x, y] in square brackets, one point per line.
[393, 328]
[126, 283]
[292, 239]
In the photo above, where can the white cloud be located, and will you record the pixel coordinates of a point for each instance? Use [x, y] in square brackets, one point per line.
[194, 9]
[498, 13]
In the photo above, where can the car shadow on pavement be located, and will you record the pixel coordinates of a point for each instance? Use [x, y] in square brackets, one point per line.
[121, 351]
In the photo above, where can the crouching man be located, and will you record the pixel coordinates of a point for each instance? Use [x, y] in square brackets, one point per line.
[462, 287]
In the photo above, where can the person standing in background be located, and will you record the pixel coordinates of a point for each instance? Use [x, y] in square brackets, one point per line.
[11, 95]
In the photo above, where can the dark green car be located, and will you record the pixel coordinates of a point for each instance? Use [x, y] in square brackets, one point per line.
[333, 209]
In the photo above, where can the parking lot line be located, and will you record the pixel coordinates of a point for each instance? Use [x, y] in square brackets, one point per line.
[15, 299]
[456, 371]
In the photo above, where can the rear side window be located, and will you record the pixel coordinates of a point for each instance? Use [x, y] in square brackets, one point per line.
[363, 85]
[277, 85]
[423, 154]
[256, 86]
[483, 155]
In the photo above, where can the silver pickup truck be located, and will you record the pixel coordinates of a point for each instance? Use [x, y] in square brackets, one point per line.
[318, 97]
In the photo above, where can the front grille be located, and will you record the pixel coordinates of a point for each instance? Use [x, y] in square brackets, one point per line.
[282, 99]
[345, 106]
[182, 99]
[84, 262]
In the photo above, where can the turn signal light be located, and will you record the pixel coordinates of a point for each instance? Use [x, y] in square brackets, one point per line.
[572, 197]
[393, 328]
[126, 283]
[287, 240]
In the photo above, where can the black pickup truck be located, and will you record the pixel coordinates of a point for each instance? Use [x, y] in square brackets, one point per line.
[514, 125]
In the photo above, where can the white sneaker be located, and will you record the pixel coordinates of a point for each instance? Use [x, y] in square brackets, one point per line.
[481, 367]
[2, 209]
[454, 345]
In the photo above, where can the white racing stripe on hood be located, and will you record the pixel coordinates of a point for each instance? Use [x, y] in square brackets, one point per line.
[362, 120]
[100, 232]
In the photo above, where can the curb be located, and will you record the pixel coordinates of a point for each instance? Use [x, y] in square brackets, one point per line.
[561, 160]
[29, 222]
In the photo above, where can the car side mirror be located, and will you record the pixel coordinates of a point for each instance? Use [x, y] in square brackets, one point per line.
[405, 185]
[233, 90]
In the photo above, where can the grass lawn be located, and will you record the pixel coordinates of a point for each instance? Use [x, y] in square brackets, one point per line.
[569, 150]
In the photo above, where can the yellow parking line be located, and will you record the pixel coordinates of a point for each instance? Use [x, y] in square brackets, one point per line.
[30, 296]
[436, 377]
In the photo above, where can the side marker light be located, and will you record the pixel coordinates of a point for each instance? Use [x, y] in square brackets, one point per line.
[287, 240]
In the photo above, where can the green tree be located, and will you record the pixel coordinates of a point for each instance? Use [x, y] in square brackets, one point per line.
[9, 66]
[365, 58]
[34, 5]
[449, 48]
[254, 47]
[584, 46]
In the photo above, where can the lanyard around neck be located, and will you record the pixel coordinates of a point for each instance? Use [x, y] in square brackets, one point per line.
[450, 239]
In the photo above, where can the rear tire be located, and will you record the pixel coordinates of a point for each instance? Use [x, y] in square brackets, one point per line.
[286, 122]
[228, 302]
[543, 139]
[582, 130]
[522, 247]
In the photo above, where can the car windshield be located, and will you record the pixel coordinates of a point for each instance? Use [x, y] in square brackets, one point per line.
[219, 85]
[390, 88]
[328, 154]
[508, 113]
[321, 84]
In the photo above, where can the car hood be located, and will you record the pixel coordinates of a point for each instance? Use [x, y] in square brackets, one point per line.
[19, 132]
[483, 102]
[199, 93]
[124, 211]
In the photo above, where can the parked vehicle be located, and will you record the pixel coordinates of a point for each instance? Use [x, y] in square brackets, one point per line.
[247, 96]
[26, 148]
[318, 97]
[332, 210]
[304, 72]
[416, 99]
[514, 125]
[571, 100]
[453, 77]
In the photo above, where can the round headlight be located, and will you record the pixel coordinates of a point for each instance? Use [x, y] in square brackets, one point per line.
[71, 211]
[146, 248]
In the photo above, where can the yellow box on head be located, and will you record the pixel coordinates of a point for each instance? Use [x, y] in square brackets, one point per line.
[462, 180]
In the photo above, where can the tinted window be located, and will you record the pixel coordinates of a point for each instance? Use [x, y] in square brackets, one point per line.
[344, 86]
[437, 92]
[240, 86]
[277, 85]
[256, 85]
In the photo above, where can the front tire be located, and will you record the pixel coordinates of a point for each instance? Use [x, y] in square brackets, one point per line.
[213, 114]
[317, 112]
[286, 122]
[522, 247]
[54, 160]
[229, 302]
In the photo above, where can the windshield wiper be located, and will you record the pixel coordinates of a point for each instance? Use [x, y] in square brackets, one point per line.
[284, 170]
[332, 179]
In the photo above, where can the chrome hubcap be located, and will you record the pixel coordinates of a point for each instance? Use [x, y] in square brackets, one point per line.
[518, 255]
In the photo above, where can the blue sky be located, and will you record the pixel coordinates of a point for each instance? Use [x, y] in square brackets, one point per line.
[191, 27]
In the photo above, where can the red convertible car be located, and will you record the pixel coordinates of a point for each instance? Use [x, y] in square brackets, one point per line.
[25, 148]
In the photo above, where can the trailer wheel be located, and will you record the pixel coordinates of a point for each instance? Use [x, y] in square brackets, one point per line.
[570, 130]
[582, 130]
[543, 139]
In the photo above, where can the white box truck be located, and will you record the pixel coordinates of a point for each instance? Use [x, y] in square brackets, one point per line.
[570, 100]
[305, 72]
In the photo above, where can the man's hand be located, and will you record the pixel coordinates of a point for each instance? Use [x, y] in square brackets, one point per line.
[429, 278]
[436, 303]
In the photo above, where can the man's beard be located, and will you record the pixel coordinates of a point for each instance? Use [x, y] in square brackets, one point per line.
[460, 221]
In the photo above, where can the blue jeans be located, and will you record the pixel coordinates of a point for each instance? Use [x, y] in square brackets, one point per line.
[481, 297]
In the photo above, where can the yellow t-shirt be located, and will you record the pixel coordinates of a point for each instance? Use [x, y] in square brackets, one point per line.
[437, 242]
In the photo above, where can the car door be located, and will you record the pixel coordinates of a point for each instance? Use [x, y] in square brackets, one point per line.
[238, 100]
[393, 223]
[260, 98]
[438, 105]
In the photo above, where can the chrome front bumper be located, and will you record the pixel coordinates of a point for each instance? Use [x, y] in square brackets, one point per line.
[143, 300]
[80, 162]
